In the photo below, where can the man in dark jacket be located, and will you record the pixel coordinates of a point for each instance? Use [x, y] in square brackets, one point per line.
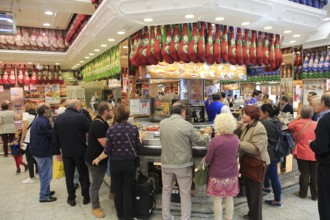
[321, 147]
[42, 150]
[70, 131]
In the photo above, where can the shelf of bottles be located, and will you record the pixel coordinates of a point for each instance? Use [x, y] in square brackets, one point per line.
[104, 66]
[316, 63]
[263, 74]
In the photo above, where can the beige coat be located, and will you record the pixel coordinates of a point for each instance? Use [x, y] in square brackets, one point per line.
[7, 122]
[256, 135]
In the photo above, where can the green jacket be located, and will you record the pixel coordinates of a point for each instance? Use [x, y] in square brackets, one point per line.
[177, 137]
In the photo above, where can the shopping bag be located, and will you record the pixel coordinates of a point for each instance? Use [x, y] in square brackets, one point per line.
[201, 174]
[58, 169]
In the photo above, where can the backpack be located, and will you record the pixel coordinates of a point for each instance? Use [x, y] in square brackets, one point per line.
[285, 143]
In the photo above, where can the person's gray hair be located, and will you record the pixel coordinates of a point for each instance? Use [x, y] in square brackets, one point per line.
[306, 112]
[326, 99]
[73, 103]
[177, 107]
[316, 99]
[41, 109]
[225, 123]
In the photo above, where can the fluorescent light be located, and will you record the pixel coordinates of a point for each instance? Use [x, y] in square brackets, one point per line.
[292, 41]
[296, 35]
[81, 61]
[245, 23]
[125, 47]
[48, 13]
[121, 32]
[29, 62]
[287, 31]
[78, 64]
[96, 50]
[219, 18]
[268, 27]
[104, 45]
[111, 39]
[326, 19]
[57, 63]
[91, 54]
[73, 68]
[148, 20]
[46, 24]
[87, 57]
[189, 16]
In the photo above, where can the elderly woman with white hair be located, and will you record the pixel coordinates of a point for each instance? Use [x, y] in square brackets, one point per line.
[223, 171]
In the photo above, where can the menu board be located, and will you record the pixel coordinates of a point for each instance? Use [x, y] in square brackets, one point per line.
[52, 94]
[286, 87]
[180, 70]
[16, 98]
[247, 89]
[75, 92]
[316, 86]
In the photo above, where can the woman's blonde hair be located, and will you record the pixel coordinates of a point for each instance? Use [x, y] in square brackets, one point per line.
[225, 123]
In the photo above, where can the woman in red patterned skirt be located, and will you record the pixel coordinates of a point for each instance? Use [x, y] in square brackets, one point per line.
[223, 171]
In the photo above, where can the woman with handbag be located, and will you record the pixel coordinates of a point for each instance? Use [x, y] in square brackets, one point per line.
[273, 128]
[253, 143]
[223, 170]
[303, 128]
[122, 142]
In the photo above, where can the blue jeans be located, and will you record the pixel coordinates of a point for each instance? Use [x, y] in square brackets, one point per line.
[272, 175]
[45, 168]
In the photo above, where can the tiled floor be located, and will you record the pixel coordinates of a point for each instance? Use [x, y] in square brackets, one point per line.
[20, 201]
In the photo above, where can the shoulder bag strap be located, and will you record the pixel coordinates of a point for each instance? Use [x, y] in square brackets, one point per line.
[97, 119]
[31, 123]
[129, 140]
[300, 133]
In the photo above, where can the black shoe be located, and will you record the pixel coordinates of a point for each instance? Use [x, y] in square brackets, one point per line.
[86, 201]
[71, 202]
[76, 185]
[49, 199]
[51, 193]
[18, 171]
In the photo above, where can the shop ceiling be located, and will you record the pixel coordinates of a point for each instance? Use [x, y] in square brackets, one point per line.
[306, 24]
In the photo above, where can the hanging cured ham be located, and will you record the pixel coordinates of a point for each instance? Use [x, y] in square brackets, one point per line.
[26, 78]
[3, 40]
[60, 40]
[50, 76]
[150, 48]
[5, 78]
[45, 76]
[174, 45]
[183, 46]
[10, 41]
[60, 77]
[20, 76]
[259, 49]
[278, 52]
[40, 78]
[265, 50]
[272, 62]
[132, 45]
[158, 45]
[217, 45]
[209, 45]
[55, 76]
[143, 50]
[201, 44]
[45, 39]
[1, 78]
[239, 47]
[166, 47]
[40, 40]
[299, 61]
[12, 77]
[246, 48]
[232, 47]
[34, 77]
[18, 38]
[253, 49]
[25, 38]
[33, 38]
[224, 45]
[192, 48]
[53, 40]
[136, 56]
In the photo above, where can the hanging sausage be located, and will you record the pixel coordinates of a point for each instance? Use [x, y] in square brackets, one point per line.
[166, 47]
[239, 47]
[265, 51]
[217, 45]
[232, 47]
[150, 48]
[174, 45]
[224, 45]
[253, 49]
[192, 48]
[183, 46]
[246, 48]
[209, 45]
[201, 44]
[158, 45]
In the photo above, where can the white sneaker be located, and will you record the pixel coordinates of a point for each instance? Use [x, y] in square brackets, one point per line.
[29, 180]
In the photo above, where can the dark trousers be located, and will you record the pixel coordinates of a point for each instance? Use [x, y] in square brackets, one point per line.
[254, 198]
[6, 138]
[272, 176]
[97, 174]
[122, 177]
[308, 176]
[323, 183]
[70, 163]
[30, 162]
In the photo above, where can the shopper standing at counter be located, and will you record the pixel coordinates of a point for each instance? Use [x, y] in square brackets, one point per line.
[214, 108]
[321, 148]
[176, 138]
